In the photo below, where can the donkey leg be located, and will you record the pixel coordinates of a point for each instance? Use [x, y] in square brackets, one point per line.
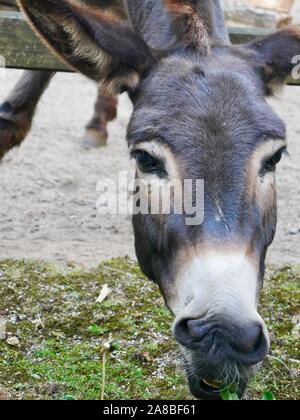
[17, 112]
[105, 110]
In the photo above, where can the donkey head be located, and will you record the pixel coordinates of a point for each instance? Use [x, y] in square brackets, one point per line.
[200, 112]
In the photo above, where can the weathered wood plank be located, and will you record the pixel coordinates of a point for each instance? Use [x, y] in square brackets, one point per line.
[242, 35]
[245, 13]
[22, 49]
[8, 5]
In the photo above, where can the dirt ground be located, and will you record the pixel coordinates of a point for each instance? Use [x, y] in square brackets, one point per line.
[48, 186]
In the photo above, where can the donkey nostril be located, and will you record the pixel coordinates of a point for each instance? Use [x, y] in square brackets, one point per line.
[188, 331]
[198, 328]
[251, 339]
[181, 332]
[246, 344]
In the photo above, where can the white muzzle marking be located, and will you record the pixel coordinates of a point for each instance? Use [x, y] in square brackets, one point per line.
[215, 284]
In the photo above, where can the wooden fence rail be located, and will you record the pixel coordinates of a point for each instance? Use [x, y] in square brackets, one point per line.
[21, 48]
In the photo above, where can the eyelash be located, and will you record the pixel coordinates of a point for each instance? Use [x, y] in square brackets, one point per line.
[148, 164]
[270, 164]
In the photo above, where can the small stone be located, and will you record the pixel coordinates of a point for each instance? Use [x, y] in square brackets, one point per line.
[296, 330]
[50, 388]
[39, 325]
[294, 231]
[106, 345]
[13, 341]
[47, 307]
[143, 357]
[147, 357]
[4, 394]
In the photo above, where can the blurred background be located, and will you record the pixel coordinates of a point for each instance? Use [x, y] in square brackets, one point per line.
[48, 185]
[261, 13]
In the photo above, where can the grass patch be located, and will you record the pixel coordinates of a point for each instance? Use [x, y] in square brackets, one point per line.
[63, 331]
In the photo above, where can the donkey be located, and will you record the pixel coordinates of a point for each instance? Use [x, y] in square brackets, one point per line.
[200, 113]
[17, 111]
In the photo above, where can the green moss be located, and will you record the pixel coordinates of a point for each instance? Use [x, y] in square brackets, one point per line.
[62, 333]
[280, 305]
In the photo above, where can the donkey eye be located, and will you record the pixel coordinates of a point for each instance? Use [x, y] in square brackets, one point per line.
[148, 164]
[271, 163]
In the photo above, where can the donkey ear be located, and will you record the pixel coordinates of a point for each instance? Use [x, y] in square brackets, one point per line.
[189, 24]
[92, 42]
[152, 21]
[274, 56]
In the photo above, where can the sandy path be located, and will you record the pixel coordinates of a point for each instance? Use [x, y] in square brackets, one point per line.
[48, 186]
[48, 195]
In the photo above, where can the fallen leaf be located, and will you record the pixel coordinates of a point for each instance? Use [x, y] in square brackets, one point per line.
[104, 294]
